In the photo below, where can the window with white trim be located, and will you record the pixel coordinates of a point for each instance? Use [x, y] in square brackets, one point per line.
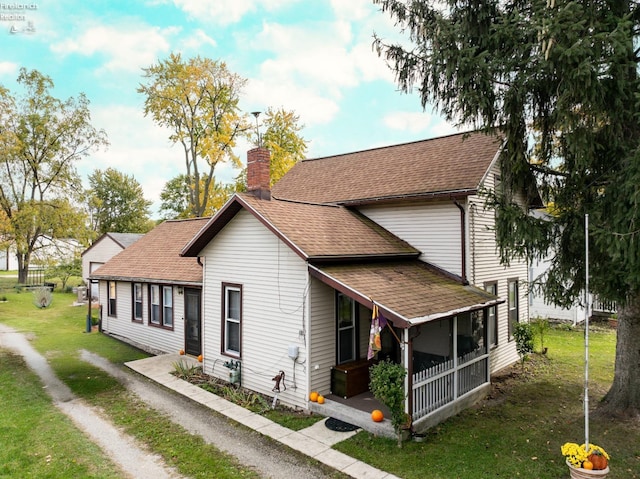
[492, 314]
[137, 302]
[512, 303]
[167, 306]
[232, 320]
[161, 306]
[111, 298]
[154, 304]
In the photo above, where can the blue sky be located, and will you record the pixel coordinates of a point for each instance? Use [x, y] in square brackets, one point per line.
[310, 56]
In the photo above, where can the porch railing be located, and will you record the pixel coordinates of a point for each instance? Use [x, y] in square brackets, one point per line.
[443, 383]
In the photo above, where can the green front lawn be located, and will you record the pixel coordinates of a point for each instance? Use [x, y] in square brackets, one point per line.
[518, 431]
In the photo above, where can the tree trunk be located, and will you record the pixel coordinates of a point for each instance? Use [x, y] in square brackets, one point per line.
[623, 399]
[23, 269]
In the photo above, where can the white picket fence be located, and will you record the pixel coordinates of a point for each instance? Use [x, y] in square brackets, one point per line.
[443, 383]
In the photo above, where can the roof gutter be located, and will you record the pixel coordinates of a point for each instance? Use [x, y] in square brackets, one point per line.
[455, 312]
[413, 196]
[362, 258]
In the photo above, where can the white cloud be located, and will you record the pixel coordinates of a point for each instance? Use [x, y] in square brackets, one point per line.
[128, 47]
[355, 10]
[414, 122]
[197, 40]
[8, 68]
[312, 107]
[224, 12]
[420, 124]
[138, 147]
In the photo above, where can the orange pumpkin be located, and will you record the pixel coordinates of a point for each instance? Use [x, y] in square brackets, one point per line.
[200, 358]
[598, 460]
[587, 465]
[320, 399]
[182, 352]
[313, 396]
[377, 416]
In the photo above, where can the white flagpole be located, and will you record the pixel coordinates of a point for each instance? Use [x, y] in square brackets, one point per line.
[586, 334]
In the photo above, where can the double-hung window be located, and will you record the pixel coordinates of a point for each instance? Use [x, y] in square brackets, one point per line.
[167, 306]
[492, 315]
[137, 302]
[232, 319]
[161, 306]
[154, 307]
[512, 301]
[112, 297]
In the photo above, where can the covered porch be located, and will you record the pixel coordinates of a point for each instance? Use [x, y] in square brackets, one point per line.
[439, 332]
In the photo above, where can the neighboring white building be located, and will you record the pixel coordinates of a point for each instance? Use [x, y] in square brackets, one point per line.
[8, 259]
[101, 251]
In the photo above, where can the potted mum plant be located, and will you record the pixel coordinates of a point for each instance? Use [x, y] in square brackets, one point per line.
[585, 464]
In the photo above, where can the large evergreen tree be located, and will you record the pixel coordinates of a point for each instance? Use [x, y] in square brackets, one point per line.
[559, 80]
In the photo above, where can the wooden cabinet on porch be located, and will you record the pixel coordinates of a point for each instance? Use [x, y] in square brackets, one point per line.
[350, 379]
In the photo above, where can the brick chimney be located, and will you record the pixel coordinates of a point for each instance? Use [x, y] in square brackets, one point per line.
[258, 175]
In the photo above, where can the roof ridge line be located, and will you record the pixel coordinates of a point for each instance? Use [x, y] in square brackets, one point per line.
[310, 203]
[424, 140]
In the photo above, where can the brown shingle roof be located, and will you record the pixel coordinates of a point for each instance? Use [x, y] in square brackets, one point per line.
[156, 256]
[451, 164]
[313, 231]
[410, 292]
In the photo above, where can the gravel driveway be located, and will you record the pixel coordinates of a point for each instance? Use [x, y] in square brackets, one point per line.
[267, 458]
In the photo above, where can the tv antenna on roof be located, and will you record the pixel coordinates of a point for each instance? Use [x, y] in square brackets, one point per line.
[257, 114]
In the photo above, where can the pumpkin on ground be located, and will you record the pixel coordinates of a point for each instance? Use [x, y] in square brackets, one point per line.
[200, 358]
[320, 399]
[377, 416]
[598, 460]
[313, 396]
[182, 352]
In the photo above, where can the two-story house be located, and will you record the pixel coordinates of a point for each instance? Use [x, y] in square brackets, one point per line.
[290, 277]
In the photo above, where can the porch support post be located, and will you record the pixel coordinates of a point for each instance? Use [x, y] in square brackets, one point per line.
[455, 357]
[407, 353]
[487, 349]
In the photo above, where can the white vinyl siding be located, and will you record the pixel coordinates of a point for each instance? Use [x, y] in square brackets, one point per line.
[432, 228]
[99, 253]
[322, 354]
[155, 340]
[274, 307]
[484, 267]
